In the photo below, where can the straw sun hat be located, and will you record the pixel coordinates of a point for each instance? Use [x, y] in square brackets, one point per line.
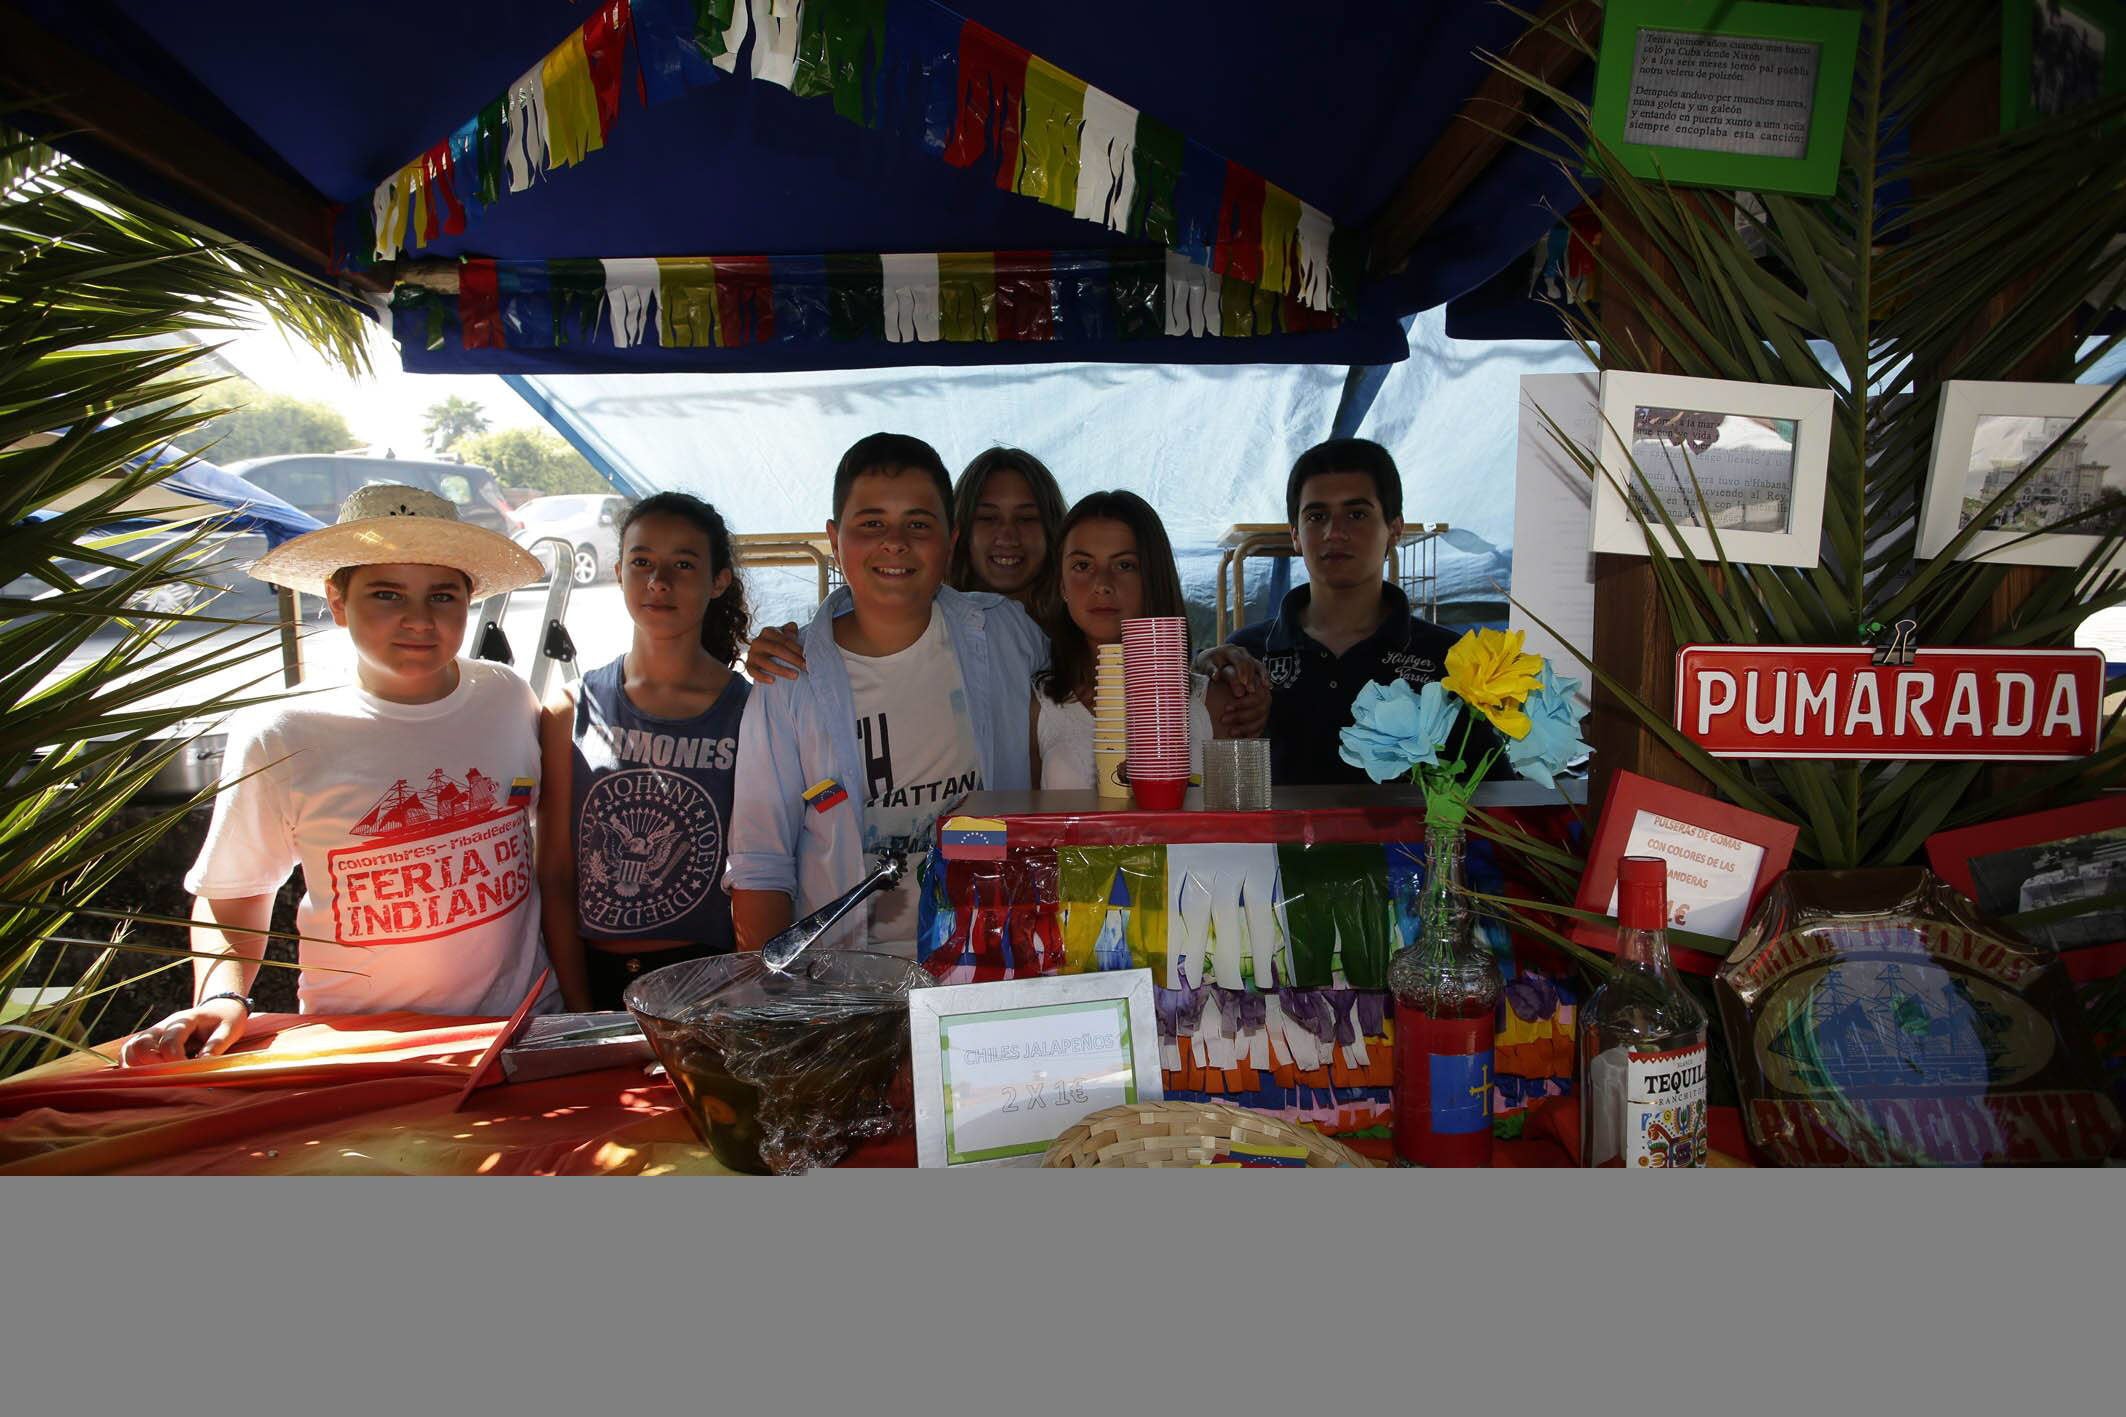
[390, 524]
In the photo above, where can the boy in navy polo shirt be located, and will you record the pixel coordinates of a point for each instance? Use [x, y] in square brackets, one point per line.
[1346, 626]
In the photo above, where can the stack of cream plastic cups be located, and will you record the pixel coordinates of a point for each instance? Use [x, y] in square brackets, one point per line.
[1110, 725]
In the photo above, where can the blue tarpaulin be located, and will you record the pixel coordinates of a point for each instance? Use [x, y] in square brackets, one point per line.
[1333, 101]
[247, 508]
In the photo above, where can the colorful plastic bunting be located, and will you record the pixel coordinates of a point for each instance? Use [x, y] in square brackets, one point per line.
[725, 302]
[931, 78]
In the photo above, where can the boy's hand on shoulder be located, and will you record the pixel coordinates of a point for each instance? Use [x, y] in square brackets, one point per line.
[775, 653]
[204, 1031]
[1239, 697]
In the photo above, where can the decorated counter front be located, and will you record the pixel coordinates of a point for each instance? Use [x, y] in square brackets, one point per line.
[1267, 934]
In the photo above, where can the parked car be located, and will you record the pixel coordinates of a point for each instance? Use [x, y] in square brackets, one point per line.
[319, 482]
[578, 532]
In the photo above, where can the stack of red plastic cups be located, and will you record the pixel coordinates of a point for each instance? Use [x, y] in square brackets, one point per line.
[1156, 676]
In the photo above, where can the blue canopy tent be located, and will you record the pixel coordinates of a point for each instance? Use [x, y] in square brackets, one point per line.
[199, 486]
[1299, 182]
[1335, 103]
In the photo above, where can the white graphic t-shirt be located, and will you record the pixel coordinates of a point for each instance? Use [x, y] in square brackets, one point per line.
[412, 823]
[917, 739]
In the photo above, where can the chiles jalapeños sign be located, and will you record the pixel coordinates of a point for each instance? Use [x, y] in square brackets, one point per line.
[1832, 701]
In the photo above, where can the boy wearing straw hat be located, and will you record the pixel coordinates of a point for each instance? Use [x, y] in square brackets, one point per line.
[406, 796]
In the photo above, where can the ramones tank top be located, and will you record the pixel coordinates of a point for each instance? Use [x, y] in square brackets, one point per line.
[651, 805]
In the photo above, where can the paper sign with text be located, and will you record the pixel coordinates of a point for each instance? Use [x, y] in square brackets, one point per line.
[1710, 875]
[1002, 1069]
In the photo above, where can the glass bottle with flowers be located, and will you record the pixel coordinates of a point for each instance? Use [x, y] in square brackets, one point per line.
[1446, 983]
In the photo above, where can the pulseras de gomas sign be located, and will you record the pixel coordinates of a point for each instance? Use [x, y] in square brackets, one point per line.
[1835, 701]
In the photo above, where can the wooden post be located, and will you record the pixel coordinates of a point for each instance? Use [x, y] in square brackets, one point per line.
[1476, 135]
[291, 637]
[1632, 639]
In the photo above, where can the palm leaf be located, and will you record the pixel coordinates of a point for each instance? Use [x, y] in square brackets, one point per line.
[84, 669]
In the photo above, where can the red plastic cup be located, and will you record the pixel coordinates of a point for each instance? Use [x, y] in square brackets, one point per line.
[1158, 794]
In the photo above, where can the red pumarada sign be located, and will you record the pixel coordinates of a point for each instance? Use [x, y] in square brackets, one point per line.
[1835, 701]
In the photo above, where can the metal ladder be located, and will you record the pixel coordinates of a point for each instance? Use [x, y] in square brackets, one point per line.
[555, 646]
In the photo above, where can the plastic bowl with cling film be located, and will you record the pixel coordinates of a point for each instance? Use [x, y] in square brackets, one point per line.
[780, 1073]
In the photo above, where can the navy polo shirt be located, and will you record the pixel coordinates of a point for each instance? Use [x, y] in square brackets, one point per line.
[1311, 689]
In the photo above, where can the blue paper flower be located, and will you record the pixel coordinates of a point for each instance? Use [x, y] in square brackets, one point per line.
[1553, 741]
[1394, 729]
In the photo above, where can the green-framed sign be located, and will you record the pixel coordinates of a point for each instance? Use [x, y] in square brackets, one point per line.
[2057, 55]
[1001, 1070]
[1714, 93]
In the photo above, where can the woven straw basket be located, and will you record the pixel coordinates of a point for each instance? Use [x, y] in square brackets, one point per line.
[1164, 1134]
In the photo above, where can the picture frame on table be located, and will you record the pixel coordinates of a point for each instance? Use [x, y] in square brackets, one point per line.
[1715, 93]
[2042, 860]
[1750, 458]
[1986, 434]
[1003, 1069]
[1722, 859]
[2059, 55]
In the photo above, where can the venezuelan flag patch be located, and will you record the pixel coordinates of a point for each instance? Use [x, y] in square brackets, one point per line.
[824, 794]
[973, 839]
[520, 791]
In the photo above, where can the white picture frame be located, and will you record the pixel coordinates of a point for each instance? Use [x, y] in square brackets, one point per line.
[1977, 422]
[1787, 451]
[998, 1073]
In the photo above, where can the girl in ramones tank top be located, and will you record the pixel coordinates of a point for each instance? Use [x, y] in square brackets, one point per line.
[639, 763]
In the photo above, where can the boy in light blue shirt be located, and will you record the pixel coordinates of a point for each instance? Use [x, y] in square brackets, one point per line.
[914, 695]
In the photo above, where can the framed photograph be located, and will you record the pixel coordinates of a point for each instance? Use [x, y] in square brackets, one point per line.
[1745, 462]
[1721, 860]
[1715, 93]
[1003, 1069]
[1986, 434]
[2043, 861]
[2059, 55]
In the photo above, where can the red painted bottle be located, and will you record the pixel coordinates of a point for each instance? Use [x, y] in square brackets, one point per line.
[1446, 989]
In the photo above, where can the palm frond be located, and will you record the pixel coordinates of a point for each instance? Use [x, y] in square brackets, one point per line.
[92, 680]
[1877, 292]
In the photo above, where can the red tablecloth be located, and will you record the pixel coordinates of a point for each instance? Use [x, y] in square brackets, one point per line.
[378, 1094]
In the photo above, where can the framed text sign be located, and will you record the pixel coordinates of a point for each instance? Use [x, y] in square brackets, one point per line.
[1721, 860]
[1835, 701]
[1003, 1069]
[1714, 93]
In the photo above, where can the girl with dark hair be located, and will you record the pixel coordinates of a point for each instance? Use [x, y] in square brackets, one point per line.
[1115, 564]
[1007, 513]
[640, 763]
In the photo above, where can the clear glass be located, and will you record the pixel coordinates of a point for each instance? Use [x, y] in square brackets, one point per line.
[1642, 1023]
[1446, 989]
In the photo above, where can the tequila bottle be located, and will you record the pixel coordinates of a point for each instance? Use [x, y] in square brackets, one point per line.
[1642, 1041]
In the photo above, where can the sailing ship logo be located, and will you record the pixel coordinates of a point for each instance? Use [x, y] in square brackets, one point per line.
[1869, 1027]
[442, 800]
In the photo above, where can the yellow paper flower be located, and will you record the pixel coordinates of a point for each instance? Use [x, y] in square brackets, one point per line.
[1487, 670]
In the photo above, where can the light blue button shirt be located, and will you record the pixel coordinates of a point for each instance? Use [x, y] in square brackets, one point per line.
[799, 732]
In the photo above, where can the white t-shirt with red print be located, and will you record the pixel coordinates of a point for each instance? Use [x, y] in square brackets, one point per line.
[413, 826]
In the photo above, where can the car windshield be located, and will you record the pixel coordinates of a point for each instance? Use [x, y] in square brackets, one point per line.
[551, 509]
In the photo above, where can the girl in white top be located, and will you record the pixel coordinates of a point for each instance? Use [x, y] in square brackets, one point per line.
[1115, 564]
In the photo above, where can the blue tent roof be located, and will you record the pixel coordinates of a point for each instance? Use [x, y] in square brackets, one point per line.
[252, 509]
[1334, 101]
